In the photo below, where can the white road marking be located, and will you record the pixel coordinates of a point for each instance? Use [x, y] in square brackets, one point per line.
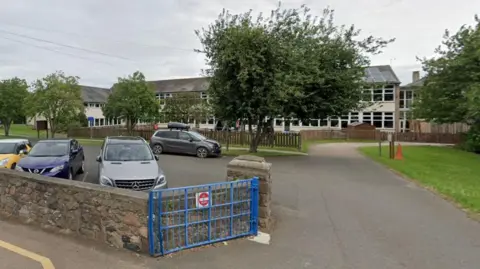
[262, 238]
[85, 176]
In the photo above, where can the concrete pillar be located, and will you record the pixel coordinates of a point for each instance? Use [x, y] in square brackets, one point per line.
[248, 166]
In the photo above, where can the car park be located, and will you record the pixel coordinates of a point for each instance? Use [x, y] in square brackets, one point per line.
[60, 158]
[179, 139]
[12, 151]
[129, 163]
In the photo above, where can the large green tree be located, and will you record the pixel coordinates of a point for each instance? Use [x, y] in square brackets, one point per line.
[289, 64]
[132, 99]
[451, 91]
[13, 93]
[57, 98]
[185, 106]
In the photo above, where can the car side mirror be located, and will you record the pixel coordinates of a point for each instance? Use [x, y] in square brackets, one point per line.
[156, 157]
[191, 140]
[99, 158]
[74, 151]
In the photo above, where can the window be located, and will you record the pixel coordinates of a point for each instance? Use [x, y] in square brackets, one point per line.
[74, 145]
[388, 95]
[211, 120]
[314, 123]
[128, 152]
[97, 105]
[324, 122]
[102, 122]
[85, 104]
[97, 122]
[378, 95]
[203, 121]
[406, 99]
[295, 122]
[344, 121]
[367, 117]
[334, 122]
[203, 95]
[377, 119]
[367, 95]
[166, 134]
[20, 147]
[278, 122]
[388, 120]
[353, 117]
[184, 136]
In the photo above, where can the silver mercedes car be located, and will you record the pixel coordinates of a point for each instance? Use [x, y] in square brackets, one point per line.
[129, 163]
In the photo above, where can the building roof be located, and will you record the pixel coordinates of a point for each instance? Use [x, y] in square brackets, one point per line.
[181, 85]
[381, 74]
[418, 83]
[94, 94]
[373, 74]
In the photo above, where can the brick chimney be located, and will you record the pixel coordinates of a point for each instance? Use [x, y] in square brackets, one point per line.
[415, 76]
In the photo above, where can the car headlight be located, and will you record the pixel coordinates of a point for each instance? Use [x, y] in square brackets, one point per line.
[19, 168]
[57, 168]
[105, 181]
[4, 162]
[161, 179]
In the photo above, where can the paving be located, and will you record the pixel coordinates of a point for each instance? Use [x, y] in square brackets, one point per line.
[333, 209]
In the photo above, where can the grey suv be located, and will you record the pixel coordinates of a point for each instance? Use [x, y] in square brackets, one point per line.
[186, 142]
[129, 163]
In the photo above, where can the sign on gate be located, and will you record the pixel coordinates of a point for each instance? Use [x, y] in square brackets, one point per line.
[221, 211]
[202, 199]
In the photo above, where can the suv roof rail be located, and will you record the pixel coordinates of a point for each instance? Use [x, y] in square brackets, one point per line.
[178, 126]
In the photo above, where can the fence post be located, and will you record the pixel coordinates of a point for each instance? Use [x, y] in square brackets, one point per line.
[248, 166]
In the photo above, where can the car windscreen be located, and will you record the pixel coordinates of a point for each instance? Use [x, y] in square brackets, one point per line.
[49, 149]
[197, 135]
[7, 148]
[127, 152]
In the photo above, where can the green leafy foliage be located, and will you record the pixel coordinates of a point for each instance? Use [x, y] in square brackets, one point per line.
[57, 98]
[185, 106]
[451, 92]
[132, 99]
[12, 96]
[288, 64]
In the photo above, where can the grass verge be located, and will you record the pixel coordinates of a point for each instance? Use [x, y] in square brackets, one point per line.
[260, 147]
[448, 171]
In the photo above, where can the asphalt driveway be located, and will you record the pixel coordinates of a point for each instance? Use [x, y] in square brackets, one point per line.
[179, 170]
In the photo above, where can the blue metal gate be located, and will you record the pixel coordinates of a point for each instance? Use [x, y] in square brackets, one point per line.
[180, 218]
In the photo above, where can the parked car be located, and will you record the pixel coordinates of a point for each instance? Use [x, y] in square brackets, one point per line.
[61, 158]
[12, 150]
[180, 140]
[129, 163]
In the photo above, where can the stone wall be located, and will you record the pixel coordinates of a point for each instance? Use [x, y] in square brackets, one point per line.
[247, 166]
[113, 216]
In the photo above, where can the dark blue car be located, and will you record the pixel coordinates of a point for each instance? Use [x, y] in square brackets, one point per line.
[62, 158]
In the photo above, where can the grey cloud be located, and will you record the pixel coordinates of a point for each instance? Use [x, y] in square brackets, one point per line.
[158, 36]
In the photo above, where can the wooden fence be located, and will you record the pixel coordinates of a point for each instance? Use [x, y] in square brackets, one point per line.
[375, 135]
[278, 140]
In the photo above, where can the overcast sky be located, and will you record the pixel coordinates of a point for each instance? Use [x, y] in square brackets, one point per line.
[100, 40]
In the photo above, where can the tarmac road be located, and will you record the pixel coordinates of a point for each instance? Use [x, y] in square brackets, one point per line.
[179, 170]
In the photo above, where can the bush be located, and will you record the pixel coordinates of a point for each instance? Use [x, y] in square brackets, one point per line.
[472, 139]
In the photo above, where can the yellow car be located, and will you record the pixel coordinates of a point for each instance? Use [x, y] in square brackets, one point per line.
[12, 150]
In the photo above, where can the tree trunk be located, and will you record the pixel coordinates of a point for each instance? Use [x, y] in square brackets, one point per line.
[6, 126]
[257, 137]
[53, 128]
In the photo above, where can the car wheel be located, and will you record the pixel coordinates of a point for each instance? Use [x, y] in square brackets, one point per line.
[202, 152]
[157, 149]
[13, 166]
[82, 168]
[70, 175]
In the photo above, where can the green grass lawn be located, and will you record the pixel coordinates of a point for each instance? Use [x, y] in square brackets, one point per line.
[24, 131]
[448, 171]
[260, 147]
